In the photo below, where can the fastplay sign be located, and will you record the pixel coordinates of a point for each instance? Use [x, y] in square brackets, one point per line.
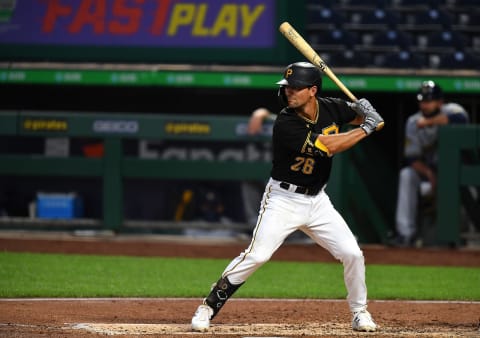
[149, 23]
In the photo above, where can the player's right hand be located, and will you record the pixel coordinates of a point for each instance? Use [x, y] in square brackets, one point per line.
[373, 121]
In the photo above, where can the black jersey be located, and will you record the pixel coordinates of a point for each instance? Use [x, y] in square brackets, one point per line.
[295, 158]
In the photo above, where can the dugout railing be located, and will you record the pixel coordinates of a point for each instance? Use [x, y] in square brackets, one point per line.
[458, 184]
[114, 165]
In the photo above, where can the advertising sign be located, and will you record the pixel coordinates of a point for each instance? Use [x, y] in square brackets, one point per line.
[140, 23]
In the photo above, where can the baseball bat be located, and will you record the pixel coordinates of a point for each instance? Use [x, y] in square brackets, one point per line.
[304, 47]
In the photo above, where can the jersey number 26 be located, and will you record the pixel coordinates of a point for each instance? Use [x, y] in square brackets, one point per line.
[304, 164]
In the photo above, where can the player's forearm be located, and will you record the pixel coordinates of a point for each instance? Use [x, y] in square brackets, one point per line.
[259, 115]
[337, 143]
[358, 120]
[440, 119]
[422, 169]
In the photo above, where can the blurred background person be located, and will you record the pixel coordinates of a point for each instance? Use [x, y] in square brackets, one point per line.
[419, 175]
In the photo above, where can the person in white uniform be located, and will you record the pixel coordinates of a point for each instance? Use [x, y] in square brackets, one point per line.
[306, 134]
[419, 175]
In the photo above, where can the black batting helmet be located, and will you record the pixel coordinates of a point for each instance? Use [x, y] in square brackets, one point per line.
[300, 75]
[429, 91]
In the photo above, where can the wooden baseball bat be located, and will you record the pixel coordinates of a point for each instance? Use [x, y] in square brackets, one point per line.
[304, 47]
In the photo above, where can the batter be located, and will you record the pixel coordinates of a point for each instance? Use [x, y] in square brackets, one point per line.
[305, 137]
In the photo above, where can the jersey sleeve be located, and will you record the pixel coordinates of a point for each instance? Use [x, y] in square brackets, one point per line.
[339, 110]
[456, 114]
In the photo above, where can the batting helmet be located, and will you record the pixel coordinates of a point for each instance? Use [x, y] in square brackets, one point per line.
[429, 91]
[300, 75]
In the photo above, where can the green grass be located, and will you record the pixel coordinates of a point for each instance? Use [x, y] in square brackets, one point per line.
[52, 275]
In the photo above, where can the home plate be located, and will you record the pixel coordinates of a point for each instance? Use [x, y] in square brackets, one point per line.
[129, 329]
[219, 329]
[270, 330]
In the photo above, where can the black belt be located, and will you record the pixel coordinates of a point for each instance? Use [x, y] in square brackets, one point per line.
[301, 190]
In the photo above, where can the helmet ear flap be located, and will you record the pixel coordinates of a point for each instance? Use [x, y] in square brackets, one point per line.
[281, 96]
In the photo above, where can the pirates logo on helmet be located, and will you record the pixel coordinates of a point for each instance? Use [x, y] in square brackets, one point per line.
[300, 75]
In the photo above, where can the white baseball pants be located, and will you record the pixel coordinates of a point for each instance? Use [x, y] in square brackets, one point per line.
[281, 213]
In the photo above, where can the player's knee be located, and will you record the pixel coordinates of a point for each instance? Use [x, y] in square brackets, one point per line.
[407, 174]
[357, 255]
[352, 255]
[259, 257]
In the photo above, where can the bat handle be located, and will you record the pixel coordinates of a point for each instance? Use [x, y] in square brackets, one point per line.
[340, 84]
[349, 94]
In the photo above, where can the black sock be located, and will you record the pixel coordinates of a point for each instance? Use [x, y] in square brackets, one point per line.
[220, 293]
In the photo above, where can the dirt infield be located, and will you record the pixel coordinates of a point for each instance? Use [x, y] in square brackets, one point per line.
[240, 317]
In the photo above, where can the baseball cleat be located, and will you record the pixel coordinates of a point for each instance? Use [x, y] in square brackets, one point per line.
[201, 318]
[362, 321]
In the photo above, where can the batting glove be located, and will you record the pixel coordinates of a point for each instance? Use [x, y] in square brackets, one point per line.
[373, 121]
[362, 107]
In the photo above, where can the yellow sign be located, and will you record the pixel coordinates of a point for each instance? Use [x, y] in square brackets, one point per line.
[191, 128]
[45, 125]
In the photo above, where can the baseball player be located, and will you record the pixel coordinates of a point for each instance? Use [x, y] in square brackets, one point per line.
[420, 152]
[305, 137]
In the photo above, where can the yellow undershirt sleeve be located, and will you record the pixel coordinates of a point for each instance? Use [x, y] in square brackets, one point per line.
[322, 147]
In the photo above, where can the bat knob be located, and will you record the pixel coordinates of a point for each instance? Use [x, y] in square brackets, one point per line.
[380, 126]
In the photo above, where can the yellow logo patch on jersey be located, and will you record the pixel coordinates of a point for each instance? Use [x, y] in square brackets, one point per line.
[331, 129]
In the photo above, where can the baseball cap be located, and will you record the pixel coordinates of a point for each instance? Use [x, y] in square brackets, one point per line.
[429, 91]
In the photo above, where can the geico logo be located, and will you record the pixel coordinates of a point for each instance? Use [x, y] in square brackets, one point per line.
[112, 126]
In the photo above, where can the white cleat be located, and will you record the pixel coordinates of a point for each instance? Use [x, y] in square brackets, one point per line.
[362, 321]
[201, 318]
